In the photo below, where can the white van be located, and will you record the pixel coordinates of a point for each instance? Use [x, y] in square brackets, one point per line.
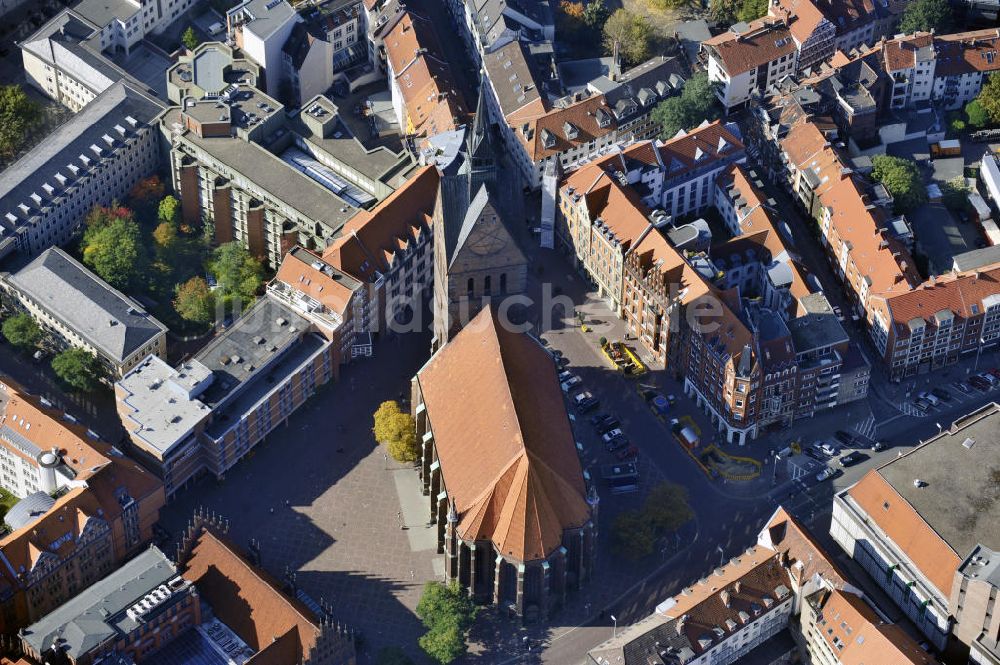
[216, 28]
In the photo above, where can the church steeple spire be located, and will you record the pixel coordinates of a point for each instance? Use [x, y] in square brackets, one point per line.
[479, 149]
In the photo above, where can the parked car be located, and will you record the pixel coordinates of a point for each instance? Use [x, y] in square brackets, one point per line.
[570, 383]
[824, 474]
[980, 383]
[962, 387]
[850, 459]
[921, 404]
[627, 453]
[929, 398]
[565, 375]
[815, 454]
[828, 448]
[585, 402]
[941, 394]
[616, 444]
[613, 434]
[878, 446]
[614, 423]
[989, 377]
[600, 419]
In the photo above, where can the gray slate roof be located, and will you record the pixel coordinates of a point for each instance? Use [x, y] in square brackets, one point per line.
[65, 145]
[101, 12]
[977, 258]
[28, 510]
[99, 612]
[104, 317]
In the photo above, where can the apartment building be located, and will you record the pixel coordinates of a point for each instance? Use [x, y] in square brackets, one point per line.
[425, 96]
[390, 249]
[814, 34]
[96, 157]
[749, 58]
[514, 515]
[929, 547]
[490, 25]
[783, 600]
[542, 126]
[79, 309]
[735, 316]
[329, 40]
[917, 325]
[207, 413]
[260, 29]
[135, 611]
[103, 512]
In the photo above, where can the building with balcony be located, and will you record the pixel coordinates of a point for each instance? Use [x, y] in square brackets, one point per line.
[79, 309]
[390, 250]
[102, 513]
[95, 158]
[917, 325]
[781, 601]
[515, 519]
[207, 413]
[749, 58]
[923, 528]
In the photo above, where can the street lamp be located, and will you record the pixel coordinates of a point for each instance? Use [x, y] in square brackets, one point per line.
[979, 350]
[722, 555]
[614, 631]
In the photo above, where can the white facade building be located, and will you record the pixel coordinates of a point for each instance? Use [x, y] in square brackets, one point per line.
[261, 28]
[748, 58]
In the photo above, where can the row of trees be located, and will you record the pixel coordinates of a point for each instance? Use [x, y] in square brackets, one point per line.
[635, 533]
[78, 368]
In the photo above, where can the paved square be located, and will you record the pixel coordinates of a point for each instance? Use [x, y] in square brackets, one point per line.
[322, 500]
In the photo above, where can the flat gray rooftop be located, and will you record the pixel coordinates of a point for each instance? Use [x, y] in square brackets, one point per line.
[101, 12]
[977, 258]
[253, 341]
[104, 317]
[266, 170]
[959, 497]
[819, 327]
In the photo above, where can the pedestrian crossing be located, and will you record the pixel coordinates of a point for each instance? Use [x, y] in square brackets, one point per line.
[866, 428]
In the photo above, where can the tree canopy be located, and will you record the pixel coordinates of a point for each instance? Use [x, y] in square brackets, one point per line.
[902, 178]
[976, 115]
[926, 15]
[731, 11]
[697, 102]
[630, 32]
[447, 612]
[634, 533]
[79, 368]
[22, 331]
[989, 99]
[19, 114]
[194, 301]
[169, 210]
[581, 22]
[397, 430]
[190, 39]
[112, 246]
[238, 274]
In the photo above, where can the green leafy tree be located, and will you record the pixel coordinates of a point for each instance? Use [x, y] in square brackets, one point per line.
[22, 331]
[632, 536]
[190, 39]
[630, 32]
[976, 115]
[989, 98]
[926, 15]
[384, 413]
[392, 656]
[19, 114]
[112, 247]
[194, 301]
[666, 508]
[955, 194]
[724, 11]
[169, 210]
[447, 612]
[595, 13]
[697, 102]
[902, 178]
[751, 10]
[165, 237]
[79, 368]
[238, 274]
